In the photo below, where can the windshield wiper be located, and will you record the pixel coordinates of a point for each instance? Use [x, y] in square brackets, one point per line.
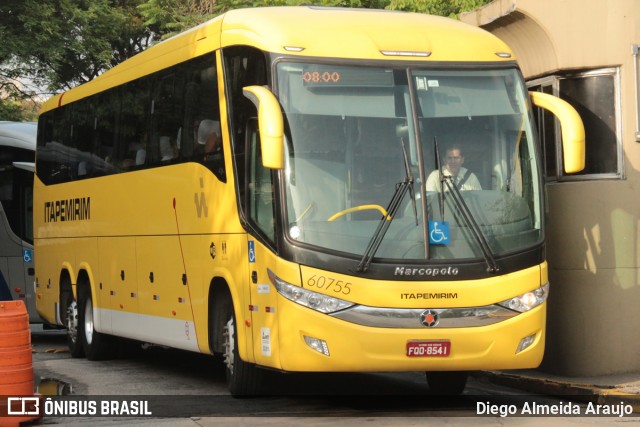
[492, 267]
[409, 177]
[385, 222]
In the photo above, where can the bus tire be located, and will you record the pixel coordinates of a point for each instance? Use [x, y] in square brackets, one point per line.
[447, 383]
[69, 313]
[243, 379]
[97, 346]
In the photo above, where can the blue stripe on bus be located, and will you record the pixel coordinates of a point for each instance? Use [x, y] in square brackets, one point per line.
[5, 293]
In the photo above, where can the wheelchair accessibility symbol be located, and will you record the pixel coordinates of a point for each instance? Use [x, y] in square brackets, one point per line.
[27, 256]
[252, 251]
[439, 232]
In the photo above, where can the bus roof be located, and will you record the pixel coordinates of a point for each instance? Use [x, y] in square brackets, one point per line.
[310, 31]
[18, 134]
[359, 33]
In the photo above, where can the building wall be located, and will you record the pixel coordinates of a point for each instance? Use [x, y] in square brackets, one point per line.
[593, 226]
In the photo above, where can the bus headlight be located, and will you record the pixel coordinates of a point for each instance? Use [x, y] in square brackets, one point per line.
[527, 301]
[314, 300]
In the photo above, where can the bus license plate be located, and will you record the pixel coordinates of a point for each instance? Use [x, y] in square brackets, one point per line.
[428, 348]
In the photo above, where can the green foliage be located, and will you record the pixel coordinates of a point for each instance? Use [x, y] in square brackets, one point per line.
[365, 4]
[450, 8]
[16, 109]
[11, 111]
[62, 43]
[170, 17]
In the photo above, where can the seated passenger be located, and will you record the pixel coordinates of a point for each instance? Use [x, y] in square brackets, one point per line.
[167, 150]
[141, 150]
[209, 137]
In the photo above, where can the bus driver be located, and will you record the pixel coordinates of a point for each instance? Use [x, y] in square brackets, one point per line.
[462, 178]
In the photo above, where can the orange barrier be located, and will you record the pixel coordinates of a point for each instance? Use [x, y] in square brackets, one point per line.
[16, 363]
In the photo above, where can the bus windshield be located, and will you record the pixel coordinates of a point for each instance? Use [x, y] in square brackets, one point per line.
[458, 143]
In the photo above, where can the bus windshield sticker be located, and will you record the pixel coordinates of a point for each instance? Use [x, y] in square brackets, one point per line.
[439, 232]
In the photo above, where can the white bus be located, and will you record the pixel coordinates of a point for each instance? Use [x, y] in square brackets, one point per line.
[17, 151]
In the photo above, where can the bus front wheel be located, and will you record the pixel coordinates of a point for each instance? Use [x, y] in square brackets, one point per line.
[243, 378]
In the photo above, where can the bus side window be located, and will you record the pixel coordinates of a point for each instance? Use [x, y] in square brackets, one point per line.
[202, 105]
[244, 66]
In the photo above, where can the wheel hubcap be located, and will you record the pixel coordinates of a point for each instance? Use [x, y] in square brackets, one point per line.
[72, 321]
[229, 344]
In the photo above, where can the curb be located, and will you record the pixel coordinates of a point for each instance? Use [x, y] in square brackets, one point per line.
[596, 394]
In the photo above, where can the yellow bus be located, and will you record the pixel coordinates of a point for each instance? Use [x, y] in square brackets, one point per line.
[256, 188]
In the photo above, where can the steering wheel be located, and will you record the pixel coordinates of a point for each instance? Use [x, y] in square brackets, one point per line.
[382, 210]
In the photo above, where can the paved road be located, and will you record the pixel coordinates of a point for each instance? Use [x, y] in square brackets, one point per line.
[187, 389]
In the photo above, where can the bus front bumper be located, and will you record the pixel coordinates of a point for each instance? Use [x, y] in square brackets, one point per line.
[311, 341]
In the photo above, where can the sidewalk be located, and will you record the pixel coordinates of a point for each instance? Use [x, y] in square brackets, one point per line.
[600, 390]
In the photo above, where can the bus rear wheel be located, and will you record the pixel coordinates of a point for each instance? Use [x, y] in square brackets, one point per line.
[447, 383]
[70, 318]
[97, 346]
[244, 379]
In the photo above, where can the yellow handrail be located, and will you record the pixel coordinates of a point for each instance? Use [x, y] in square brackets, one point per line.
[382, 210]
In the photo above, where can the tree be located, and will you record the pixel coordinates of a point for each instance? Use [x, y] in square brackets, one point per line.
[174, 16]
[12, 111]
[450, 8]
[59, 44]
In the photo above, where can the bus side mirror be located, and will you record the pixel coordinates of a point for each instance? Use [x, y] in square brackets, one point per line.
[571, 126]
[270, 124]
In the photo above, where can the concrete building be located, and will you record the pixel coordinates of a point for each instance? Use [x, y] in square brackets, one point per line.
[587, 53]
